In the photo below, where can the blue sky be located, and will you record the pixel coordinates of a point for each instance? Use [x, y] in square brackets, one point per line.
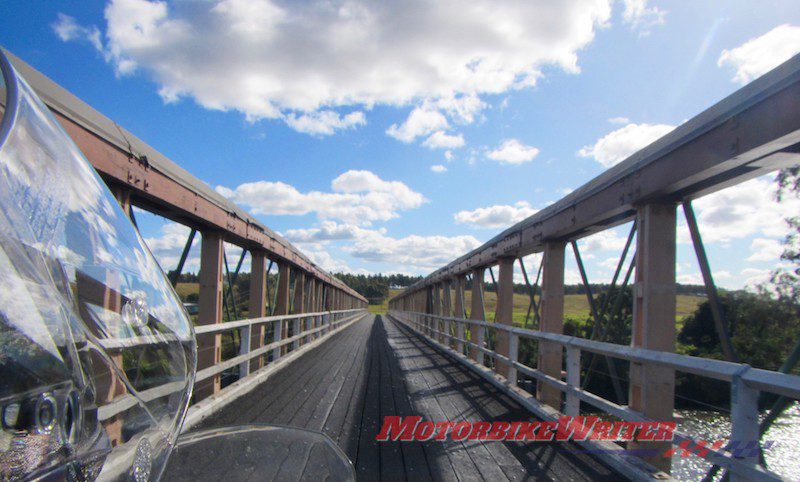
[388, 138]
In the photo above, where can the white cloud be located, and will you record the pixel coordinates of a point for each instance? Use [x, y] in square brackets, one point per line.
[689, 279]
[411, 251]
[442, 140]
[325, 122]
[167, 247]
[438, 168]
[497, 216]
[754, 277]
[765, 250]
[759, 55]
[448, 155]
[358, 198]
[512, 151]
[616, 146]
[420, 122]
[324, 260]
[740, 211]
[641, 17]
[619, 120]
[608, 240]
[67, 29]
[267, 59]
[328, 231]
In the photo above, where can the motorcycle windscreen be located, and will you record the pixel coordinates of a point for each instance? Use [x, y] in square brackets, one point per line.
[255, 452]
[97, 354]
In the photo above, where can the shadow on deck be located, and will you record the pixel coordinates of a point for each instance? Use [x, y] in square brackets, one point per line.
[376, 368]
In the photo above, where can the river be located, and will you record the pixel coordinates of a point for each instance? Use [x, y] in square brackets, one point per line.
[783, 457]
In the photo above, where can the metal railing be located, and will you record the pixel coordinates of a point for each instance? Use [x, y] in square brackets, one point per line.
[306, 328]
[449, 334]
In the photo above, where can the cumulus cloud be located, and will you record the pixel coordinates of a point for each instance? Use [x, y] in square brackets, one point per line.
[438, 168]
[754, 277]
[616, 146]
[619, 120]
[497, 216]
[608, 240]
[512, 151]
[759, 55]
[640, 17]
[420, 122]
[764, 249]
[358, 198]
[269, 59]
[740, 211]
[324, 260]
[328, 231]
[325, 123]
[168, 246]
[443, 140]
[423, 252]
[67, 29]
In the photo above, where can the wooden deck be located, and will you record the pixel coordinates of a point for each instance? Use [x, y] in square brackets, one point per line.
[376, 368]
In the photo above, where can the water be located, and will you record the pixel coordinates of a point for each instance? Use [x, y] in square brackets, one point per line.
[782, 456]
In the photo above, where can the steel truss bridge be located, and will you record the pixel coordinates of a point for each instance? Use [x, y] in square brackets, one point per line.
[310, 355]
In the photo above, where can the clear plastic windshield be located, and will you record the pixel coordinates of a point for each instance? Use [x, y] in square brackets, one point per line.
[97, 354]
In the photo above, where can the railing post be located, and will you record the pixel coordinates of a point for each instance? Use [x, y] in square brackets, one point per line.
[460, 336]
[652, 389]
[244, 349]
[209, 347]
[504, 312]
[277, 331]
[513, 355]
[477, 313]
[552, 320]
[257, 304]
[744, 423]
[572, 406]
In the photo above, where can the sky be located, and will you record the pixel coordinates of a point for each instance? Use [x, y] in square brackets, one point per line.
[393, 137]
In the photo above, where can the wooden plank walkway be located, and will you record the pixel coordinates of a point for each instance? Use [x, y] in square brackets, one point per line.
[376, 368]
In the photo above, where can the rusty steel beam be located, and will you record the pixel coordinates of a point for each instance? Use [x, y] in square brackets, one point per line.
[159, 185]
[754, 131]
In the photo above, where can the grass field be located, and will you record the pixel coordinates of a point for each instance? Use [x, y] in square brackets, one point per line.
[575, 306]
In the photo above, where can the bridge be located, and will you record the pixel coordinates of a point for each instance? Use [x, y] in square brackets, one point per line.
[310, 355]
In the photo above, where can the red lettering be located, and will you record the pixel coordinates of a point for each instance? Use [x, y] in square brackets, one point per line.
[400, 428]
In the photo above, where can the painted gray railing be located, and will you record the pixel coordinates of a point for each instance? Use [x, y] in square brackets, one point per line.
[306, 328]
[449, 334]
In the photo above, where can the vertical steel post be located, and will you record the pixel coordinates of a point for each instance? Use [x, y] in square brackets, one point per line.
[504, 312]
[209, 347]
[477, 313]
[297, 305]
[447, 311]
[552, 320]
[652, 389]
[281, 307]
[257, 304]
[459, 312]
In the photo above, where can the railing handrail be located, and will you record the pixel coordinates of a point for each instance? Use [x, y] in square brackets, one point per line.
[232, 325]
[758, 378]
